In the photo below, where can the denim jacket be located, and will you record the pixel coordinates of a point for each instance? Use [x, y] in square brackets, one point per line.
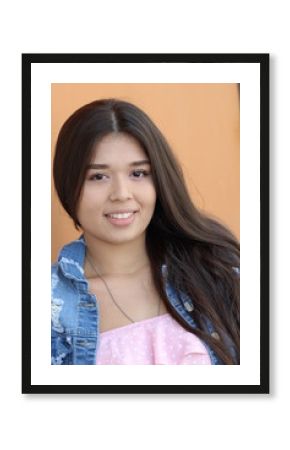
[75, 327]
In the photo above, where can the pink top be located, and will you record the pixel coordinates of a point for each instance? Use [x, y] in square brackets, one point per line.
[159, 340]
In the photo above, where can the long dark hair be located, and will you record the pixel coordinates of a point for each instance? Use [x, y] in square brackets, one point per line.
[201, 255]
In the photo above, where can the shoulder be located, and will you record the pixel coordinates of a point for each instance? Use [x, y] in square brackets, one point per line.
[72, 251]
[70, 259]
[67, 274]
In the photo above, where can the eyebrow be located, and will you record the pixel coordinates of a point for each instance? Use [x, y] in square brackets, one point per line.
[106, 166]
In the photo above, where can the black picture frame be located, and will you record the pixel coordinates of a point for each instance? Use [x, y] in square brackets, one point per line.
[262, 60]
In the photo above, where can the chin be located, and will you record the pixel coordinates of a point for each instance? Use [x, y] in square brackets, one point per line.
[124, 238]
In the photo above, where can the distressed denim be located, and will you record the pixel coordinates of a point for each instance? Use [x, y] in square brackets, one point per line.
[75, 327]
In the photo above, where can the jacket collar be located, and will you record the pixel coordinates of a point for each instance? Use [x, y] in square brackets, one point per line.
[71, 259]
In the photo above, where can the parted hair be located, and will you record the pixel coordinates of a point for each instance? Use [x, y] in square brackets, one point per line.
[201, 255]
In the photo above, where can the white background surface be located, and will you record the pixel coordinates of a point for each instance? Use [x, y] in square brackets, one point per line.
[171, 421]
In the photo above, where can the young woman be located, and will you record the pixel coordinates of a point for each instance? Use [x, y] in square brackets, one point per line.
[151, 280]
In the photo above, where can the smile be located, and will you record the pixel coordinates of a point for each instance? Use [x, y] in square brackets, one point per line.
[121, 219]
[120, 215]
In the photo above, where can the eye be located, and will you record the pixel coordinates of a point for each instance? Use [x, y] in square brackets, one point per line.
[97, 177]
[140, 173]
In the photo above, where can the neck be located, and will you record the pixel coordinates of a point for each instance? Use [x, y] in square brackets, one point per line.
[115, 259]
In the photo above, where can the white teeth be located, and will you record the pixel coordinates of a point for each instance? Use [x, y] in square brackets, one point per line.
[121, 216]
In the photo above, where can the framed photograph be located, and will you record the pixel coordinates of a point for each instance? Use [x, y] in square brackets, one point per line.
[145, 223]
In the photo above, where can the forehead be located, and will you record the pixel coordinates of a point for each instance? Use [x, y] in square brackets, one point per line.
[118, 147]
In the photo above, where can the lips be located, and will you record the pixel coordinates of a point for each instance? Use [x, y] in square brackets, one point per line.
[121, 214]
[121, 217]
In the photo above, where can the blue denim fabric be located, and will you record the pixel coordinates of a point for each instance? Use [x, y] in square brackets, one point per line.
[75, 315]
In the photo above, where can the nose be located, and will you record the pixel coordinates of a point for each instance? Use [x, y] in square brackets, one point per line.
[120, 190]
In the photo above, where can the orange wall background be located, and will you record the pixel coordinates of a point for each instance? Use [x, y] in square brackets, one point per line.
[201, 123]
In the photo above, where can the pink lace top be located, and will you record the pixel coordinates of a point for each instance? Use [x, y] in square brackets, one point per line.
[159, 340]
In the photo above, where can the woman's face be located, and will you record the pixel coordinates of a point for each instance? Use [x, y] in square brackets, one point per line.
[118, 196]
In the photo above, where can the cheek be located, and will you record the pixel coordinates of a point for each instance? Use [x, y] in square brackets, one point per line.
[149, 196]
[89, 201]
